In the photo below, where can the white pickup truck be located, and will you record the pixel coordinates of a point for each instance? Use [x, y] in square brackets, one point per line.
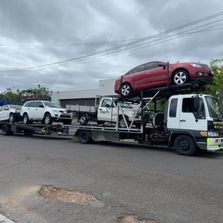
[105, 111]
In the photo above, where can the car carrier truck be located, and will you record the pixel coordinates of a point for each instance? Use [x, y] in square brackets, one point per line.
[188, 123]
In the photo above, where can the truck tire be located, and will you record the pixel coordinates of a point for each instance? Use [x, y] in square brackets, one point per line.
[122, 122]
[83, 119]
[185, 145]
[85, 137]
[6, 130]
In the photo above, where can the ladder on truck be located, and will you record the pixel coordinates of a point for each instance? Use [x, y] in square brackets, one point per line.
[143, 104]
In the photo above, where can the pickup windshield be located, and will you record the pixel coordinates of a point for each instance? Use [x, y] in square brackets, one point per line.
[214, 108]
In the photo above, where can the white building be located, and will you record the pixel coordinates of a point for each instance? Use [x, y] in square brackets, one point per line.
[84, 97]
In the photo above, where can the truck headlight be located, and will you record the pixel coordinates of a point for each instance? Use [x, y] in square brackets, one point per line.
[213, 134]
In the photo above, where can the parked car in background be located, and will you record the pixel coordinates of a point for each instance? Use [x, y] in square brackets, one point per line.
[44, 111]
[155, 74]
[10, 113]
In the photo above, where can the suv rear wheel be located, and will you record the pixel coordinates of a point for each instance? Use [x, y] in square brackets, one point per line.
[25, 119]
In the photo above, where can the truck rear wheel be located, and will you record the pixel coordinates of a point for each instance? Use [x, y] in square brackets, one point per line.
[85, 137]
[6, 130]
[185, 145]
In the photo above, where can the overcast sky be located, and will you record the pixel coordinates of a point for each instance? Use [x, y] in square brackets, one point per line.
[90, 40]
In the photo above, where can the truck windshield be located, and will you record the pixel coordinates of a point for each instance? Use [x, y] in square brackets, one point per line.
[214, 108]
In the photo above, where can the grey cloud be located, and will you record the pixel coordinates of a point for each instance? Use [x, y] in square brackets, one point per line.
[44, 31]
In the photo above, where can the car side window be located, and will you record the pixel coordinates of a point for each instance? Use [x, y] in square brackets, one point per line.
[32, 104]
[27, 104]
[151, 65]
[38, 104]
[136, 69]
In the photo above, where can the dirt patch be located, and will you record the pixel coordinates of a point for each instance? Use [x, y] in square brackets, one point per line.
[62, 194]
[134, 219]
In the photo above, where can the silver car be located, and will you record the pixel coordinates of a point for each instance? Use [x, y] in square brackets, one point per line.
[10, 113]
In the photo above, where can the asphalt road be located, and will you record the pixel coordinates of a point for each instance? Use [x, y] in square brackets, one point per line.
[154, 184]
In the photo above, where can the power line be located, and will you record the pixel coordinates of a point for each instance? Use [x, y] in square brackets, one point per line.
[139, 43]
[126, 40]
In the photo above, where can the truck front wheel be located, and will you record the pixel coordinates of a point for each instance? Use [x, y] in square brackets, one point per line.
[185, 145]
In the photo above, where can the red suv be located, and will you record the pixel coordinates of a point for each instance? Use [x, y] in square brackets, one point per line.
[156, 74]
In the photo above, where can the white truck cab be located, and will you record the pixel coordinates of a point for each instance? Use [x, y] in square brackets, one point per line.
[108, 110]
[198, 115]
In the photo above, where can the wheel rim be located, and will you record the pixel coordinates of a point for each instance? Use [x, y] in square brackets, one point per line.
[25, 119]
[122, 123]
[82, 120]
[11, 118]
[180, 78]
[184, 145]
[125, 90]
[47, 120]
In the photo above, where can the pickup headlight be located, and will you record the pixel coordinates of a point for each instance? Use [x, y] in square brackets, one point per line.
[213, 134]
[196, 65]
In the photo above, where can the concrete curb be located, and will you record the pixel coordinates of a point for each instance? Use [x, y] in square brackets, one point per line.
[3, 219]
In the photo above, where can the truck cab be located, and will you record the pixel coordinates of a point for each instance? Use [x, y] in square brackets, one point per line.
[108, 111]
[197, 116]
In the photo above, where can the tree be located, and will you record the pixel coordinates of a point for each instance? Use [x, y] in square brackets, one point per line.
[216, 88]
[20, 97]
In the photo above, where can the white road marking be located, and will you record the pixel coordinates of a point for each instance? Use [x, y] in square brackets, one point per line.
[3, 219]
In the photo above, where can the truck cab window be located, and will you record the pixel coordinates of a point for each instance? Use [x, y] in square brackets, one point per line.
[107, 103]
[188, 105]
[201, 112]
[173, 108]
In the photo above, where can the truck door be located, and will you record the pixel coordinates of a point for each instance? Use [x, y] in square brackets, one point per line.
[188, 119]
[107, 110]
[172, 115]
